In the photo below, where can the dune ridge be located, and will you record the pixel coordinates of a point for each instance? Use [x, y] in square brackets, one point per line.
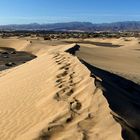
[54, 97]
[123, 98]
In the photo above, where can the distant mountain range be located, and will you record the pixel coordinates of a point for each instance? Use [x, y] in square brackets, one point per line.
[77, 26]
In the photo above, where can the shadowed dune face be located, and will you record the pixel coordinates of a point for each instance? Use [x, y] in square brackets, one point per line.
[122, 61]
[9, 57]
[73, 50]
[100, 44]
[123, 97]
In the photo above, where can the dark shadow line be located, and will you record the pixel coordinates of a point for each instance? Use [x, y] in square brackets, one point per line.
[9, 57]
[123, 97]
[100, 44]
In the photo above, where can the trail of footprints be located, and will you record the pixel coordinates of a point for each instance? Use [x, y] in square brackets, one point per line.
[64, 82]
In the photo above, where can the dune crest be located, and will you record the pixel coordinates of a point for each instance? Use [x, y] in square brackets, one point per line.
[53, 97]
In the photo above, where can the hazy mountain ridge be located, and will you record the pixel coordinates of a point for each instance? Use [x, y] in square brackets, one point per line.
[81, 26]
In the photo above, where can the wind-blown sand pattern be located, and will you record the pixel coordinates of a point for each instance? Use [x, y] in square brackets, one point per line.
[58, 97]
[54, 97]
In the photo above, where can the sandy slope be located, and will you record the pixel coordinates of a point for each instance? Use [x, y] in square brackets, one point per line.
[17, 51]
[54, 97]
[30, 45]
[14, 43]
[123, 60]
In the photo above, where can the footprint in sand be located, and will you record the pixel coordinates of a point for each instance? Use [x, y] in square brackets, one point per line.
[59, 81]
[61, 61]
[75, 105]
[69, 93]
[60, 58]
[48, 132]
[60, 86]
[60, 95]
[56, 126]
[65, 73]
[67, 68]
[70, 118]
[56, 55]
[65, 65]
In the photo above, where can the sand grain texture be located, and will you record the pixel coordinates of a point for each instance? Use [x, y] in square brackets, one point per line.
[53, 97]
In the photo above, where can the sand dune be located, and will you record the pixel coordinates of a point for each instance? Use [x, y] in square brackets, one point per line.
[123, 98]
[18, 44]
[123, 60]
[56, 96]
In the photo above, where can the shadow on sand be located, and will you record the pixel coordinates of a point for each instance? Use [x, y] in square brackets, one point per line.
[100, 44]
[73, 50]
[123, 97]
[9, 57]
[137, 49]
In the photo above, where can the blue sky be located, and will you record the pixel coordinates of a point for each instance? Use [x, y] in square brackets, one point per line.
[51, 11]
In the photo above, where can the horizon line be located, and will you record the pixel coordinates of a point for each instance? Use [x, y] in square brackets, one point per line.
[69, 22]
